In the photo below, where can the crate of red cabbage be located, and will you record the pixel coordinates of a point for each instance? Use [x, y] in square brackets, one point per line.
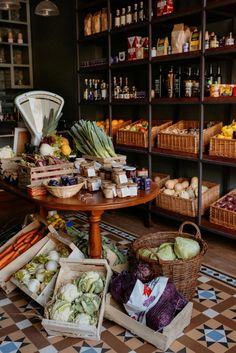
[162, 340]
[35, 176]
[78, 303]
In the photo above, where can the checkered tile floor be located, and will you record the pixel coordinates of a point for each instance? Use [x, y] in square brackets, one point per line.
[212, 329]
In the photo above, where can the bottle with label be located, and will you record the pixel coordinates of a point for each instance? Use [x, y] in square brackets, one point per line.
[20, 38]
[129, 16]
[188, 84]
[133, 92]
[126, 89]
[10, 37]
[95, 91]
[158, 84]
[85, 89]
[207, 40]
[229, 40]
[141, 14]
[208, 81]
[117, 18]
[135, 14]
[90, 90]
[214, 43]
[177, 83]
[121, 96]
[196, 84]
[123, 17]
[104, 90]
[218, 76]
[170, 83]
[115, 96]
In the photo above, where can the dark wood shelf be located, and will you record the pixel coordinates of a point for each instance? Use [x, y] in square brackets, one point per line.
[101, 35]
[84, 4]
[229, 6]
[131, 149]
[131, 27]
[129, 64]
[215, 228]
[94, 68]
[171, 215]
[176, 57]
[174, 154]
[101, 102]
[220, 100]
[193, 100]
[228, 162]
[130, 101]
[226, 51]
[182, 15]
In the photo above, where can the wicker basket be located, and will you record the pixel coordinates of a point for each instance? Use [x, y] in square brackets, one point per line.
[64, 192]
[140, 139]
[189, 207]
[163, 179]
[184, 273]
[186, 143]
[223, 217]
[222, 147]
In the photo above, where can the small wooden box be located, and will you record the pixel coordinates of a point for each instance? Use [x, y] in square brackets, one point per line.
[49, 243]
[70, 270]
[116, 313]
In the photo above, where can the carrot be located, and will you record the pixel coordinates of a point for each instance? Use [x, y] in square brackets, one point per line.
[21, 248]
[25, 235]
[4, 261]
[36, 239]
[6, 251]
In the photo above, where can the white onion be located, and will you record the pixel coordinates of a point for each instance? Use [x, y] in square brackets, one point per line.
[51, 266]
[40, 275]
[54, 255]
[33, 285]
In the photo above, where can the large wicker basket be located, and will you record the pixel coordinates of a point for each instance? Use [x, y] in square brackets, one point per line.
[222, 147]
[184, 273]
[221, 216]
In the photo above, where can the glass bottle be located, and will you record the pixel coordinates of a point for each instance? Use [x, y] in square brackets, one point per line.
[90, 90]
[135, 14]
[128, 16]
[134, 92]
[115, 95]
[196, 84]
[177, 83]
[117, 18]
[123, 17]
[218, 77]
[229, 40]
[85, 89]
[141, 14]
[121, 96]
[98, 90]
[208, 81]
[188, 84]
[170, 83]
[104, 90]
[126, 89]
[207, 40]
[158, 84]
[95, 91]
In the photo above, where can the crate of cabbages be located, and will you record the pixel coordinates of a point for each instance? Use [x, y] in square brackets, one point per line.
[181, 196]
[36, 273]
[150, 308]
[78, 303]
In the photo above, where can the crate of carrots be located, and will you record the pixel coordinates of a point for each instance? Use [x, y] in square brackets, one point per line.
[15, 251]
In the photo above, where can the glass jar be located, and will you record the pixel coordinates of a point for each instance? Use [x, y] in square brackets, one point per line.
[108, 191]
[130, 172]
[119, 177]
[133, 189]
[78, 162]
[122, 191]
[142, 172]
[87, 170]
[94, 184]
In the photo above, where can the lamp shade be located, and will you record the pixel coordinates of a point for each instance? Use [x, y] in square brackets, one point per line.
[46, 8]
[9, 4]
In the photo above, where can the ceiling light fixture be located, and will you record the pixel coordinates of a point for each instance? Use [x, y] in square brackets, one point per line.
[9, 4]
[46, 8]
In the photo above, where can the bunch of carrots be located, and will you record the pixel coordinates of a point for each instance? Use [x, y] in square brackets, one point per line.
[21, 244]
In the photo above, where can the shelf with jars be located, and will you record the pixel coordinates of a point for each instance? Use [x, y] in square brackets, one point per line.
[176, 76]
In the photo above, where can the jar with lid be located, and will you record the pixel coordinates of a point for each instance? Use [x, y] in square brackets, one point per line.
[130, 172]
[122, 191]
[108, 191]
[119, 177]
[142, 172]
[78, 162]
[87, 170]
[94, 184]
[133, 189]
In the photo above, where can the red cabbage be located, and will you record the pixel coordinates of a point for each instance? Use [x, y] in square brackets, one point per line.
[143, 272]
[122, 286]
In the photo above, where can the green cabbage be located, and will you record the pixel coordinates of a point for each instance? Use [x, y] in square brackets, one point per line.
[90, 282]
[166, 252]
[186, 248]
[87, 303]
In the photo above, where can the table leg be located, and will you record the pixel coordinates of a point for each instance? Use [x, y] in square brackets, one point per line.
[42, 212]
[95, 241]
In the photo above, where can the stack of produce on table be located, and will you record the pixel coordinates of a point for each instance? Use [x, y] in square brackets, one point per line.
[183, 188]
[36, 274]
[64, 187]
[91, 140]
[153, 301]
[37, 160]
[22, 243]
[182, 248]
[79, 301]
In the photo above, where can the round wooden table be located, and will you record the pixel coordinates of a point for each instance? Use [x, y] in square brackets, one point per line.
[95, 205]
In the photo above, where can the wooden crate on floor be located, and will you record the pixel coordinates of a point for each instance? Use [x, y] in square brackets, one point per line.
[221, 216]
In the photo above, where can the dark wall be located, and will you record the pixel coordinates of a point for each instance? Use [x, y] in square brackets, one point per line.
[54, 54]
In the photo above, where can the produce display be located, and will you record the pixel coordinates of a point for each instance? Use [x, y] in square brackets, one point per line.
[56, 221]
[141, 126]
[64, 181]
[183, 188]
[92, 140]
[6, 152]
[182, 248]
[154, 303]
[40, 270]
[105, 124]
[188, 131]
[20, 245]
[227, 131]
[79, 302]
[37, 160]
[228, 203]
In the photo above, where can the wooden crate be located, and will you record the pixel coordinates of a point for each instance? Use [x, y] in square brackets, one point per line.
[223, 217]
[49, 243]
[34, 176]
[164, 178]
[189, 207]
[116, 313]
[15, 265]
[108, 161]
[140, 139]
[115, 128]
[185, 142]
[222, 147]
[70, 270]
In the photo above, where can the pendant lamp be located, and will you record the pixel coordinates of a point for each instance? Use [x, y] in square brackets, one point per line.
[46, 8]
[9, 4]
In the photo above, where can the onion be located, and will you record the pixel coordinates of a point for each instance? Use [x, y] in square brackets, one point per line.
[54, 255]
[33, 285]
[51, 266]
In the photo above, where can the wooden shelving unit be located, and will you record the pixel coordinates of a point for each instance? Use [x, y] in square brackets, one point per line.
[205, 13]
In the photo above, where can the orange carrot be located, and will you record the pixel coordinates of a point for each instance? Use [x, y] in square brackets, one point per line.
[36, 239]
[4, 261]
[25, 235]
[6, 251]
[21, 248]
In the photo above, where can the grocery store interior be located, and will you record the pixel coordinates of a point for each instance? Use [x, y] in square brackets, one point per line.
[117, 176]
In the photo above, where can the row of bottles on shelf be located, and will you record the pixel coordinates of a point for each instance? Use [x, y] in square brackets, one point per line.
[95, 90]
[131, 15]
[176, 83]
[11, 36]
[122, 89]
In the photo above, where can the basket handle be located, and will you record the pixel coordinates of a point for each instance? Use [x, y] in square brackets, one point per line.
[198, 233]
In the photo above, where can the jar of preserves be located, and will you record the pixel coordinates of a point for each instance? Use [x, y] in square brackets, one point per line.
[130, 172]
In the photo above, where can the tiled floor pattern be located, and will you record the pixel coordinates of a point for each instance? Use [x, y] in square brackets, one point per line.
[212, 328]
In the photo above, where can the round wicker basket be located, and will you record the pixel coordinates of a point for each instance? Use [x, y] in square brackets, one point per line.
[65, 191]
[184, 273]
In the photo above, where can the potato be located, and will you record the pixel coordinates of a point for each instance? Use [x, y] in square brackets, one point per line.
[169, 192]
[178, 187]
[185, 184]
[170, 184]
